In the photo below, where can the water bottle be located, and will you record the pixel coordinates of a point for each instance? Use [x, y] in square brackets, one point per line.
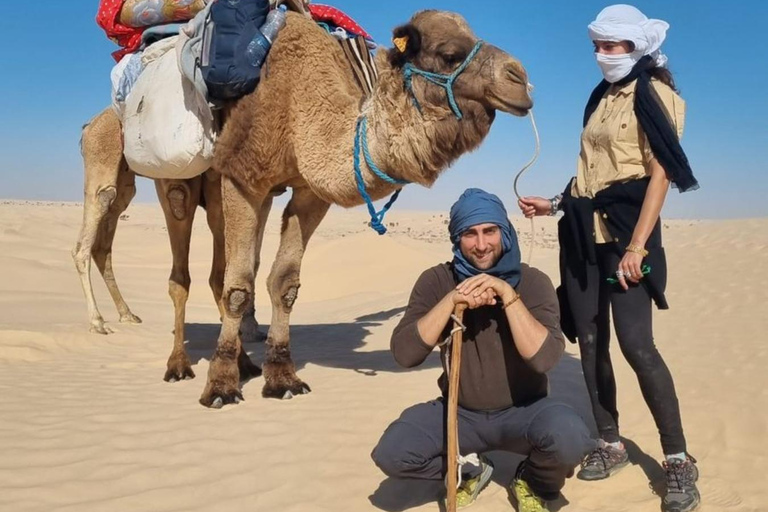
[257, 49]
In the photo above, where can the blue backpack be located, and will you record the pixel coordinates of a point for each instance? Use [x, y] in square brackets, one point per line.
[230, 27]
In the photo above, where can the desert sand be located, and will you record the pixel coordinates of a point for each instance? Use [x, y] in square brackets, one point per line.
[87, 423]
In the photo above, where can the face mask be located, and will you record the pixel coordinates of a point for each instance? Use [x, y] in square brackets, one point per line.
[615, 67]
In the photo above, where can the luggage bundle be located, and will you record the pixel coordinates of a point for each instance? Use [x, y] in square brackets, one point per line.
[172, 76]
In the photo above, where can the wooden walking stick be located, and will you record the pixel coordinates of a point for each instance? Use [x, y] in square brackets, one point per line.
[453, 406]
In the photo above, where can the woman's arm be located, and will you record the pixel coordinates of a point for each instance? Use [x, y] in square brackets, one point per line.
[649, 214]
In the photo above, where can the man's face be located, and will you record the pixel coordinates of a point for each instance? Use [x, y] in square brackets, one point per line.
[481, 245]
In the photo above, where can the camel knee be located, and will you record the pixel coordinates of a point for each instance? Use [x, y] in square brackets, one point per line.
[105, 197]
[284, 288]
[177, 196]
[289, 297]
[237, 301]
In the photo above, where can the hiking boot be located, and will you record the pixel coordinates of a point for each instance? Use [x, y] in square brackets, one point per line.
[527, 500]
[682, 494]
[469, 489]
[604, 461]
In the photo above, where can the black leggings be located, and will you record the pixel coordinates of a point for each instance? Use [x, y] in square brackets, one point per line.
[633, 319]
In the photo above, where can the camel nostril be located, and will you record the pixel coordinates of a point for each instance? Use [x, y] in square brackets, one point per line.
[517, 74]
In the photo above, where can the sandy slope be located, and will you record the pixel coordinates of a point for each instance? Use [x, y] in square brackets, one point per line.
[87, 423]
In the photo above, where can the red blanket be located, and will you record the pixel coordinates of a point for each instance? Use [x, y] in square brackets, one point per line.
[328, 14]
[128, 38]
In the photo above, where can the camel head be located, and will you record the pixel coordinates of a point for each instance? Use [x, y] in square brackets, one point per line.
[442, 43]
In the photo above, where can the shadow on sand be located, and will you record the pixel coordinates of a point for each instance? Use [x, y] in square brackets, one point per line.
[329, 345]
[337, 346]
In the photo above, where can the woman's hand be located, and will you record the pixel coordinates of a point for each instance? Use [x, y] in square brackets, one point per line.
[630, 269]
[534, 206]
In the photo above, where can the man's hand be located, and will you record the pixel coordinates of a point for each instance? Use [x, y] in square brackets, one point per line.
[472, 301]
[485, 288]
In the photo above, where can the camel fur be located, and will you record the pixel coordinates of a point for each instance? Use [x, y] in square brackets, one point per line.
[296, 130]
[109, 188]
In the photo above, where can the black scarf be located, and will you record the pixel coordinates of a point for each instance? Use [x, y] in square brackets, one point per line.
[654, 122]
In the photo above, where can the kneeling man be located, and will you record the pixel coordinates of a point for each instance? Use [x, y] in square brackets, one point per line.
[512, 339]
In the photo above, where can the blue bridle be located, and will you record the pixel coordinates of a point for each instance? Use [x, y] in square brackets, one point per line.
[361, 139]
[444, 81]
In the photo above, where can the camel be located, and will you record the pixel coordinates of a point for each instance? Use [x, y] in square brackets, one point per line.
[297, 130]
[109, 189]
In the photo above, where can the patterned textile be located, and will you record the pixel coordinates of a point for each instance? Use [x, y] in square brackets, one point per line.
[124, 21]
[128, 38]
[361, 62]
[146, 13]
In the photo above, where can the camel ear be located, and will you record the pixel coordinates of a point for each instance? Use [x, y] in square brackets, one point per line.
[407, 39]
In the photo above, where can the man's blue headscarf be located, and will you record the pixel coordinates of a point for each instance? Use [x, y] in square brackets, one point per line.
[475, 207]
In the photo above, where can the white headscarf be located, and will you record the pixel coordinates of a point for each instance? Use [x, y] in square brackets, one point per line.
[623, 22]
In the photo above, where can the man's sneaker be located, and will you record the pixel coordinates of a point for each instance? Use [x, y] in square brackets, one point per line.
[604, 461]
[527, 500]
[682, 494]
[469, 489]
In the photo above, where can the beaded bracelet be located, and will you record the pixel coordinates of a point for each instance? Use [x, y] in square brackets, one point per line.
[511, 301]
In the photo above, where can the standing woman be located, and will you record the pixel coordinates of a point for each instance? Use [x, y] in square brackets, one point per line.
[630, 153]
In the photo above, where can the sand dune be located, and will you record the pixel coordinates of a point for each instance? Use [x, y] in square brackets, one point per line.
[87, 423]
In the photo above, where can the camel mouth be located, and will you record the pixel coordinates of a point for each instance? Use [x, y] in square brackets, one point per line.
[516, 108]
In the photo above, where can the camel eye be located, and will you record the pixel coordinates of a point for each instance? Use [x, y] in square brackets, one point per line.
[452, 59]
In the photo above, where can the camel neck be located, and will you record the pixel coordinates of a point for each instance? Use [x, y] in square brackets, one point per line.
[417, 145]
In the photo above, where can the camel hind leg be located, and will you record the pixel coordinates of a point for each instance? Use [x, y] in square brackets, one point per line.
[102, 249]
[301, 217]
[179, 200]
[109, 186]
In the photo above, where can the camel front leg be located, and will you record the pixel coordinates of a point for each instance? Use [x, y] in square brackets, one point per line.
[230, 363]
[301, 217]
[249, 327]
[179, 199]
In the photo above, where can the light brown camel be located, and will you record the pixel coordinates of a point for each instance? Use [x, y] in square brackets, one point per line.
[297, 130]
[109, 188]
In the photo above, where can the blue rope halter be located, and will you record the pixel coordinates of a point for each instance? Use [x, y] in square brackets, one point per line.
[361, 136]
[444, 81]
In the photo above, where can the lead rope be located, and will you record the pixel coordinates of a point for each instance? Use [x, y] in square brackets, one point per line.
[536, 153]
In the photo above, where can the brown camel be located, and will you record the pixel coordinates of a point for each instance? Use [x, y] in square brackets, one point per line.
[297, 130]
[109, 188]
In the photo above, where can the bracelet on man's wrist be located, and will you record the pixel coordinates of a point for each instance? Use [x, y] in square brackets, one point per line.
[511, 301]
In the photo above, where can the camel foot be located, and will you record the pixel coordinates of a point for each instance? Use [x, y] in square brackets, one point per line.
[223, 386]
[98, 327]
[282, 382]
[248, 370]
[249, 331]
[217, 396]
[130, 318]
[179, 368]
